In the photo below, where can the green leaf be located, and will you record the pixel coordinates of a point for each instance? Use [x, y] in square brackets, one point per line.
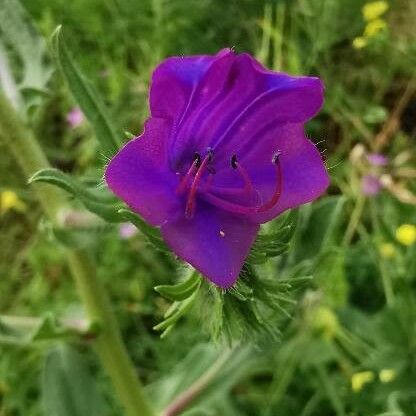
[227, 367]
[69, 184]
[91, 105]
[182, 290]
[20, 35]
[319, 227]
[16, 330]
[97, 201]
[68, 388]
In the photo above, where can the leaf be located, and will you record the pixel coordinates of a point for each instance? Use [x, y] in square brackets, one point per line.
[21, 36]
[68, 388]
[66, 182]
[182, 290]
[97, 201]
[227, 367]
[84, 93]
[319, 226]
[16, 330]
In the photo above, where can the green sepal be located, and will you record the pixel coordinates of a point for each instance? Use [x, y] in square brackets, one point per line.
[274, 243]
[182, 290]
[179, 310]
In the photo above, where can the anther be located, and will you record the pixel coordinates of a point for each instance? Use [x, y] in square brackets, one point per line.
[210, 154]
[276, 157]
[234, 162]
[197, 159]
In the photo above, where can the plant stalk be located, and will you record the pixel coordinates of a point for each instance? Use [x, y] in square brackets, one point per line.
[108, 344]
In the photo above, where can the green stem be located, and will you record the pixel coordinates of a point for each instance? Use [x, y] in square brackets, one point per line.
[109, 345]
[355, 220]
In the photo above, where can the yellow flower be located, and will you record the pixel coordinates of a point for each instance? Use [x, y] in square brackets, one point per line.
[387, 250]
[358, 380]
[359, 42]
[374, 27]
[374, 10]
[10, 200]
[406, 234]
[386, 375]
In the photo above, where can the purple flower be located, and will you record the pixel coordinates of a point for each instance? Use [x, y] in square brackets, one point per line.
[223, 151]
[377, 159]
[75, 117]
[370, 185]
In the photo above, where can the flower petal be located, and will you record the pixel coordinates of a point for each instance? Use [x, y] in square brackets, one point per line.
[215, 242]
[250, 97]
[303, 172]
[175, 80]
[139, 174]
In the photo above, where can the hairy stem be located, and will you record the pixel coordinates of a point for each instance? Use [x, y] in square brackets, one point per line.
[109, 346]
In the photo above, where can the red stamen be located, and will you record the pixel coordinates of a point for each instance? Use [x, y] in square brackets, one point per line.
[190, 204]
[184, 181]
[248, 186]
[242, 209]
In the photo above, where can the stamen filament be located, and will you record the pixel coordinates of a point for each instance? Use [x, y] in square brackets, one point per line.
[242, 209]
[184, 181]
[248, 185]
[190, 204]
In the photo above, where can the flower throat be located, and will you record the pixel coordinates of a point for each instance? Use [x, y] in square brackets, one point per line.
[191, 182]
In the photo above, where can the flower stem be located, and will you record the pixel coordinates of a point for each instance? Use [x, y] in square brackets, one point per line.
[108, 344]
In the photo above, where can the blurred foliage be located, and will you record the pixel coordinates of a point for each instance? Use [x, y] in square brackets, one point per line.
[342, 342]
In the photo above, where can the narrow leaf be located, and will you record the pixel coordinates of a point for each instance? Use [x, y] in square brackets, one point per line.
[97, 201]
[91, 105]
[68, 387]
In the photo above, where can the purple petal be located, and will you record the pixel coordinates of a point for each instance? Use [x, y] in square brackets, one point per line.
[139, 174]
[247, 98]
[215, 242]
[174, 82]
[304, 177]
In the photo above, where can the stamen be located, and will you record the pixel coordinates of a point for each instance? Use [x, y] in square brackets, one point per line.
[190, 204]
[242, 209]
[276, 196]
[184, 181]
[248, 186]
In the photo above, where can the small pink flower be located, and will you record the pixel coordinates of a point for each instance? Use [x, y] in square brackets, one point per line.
[370, 185]
[127, 230]
[75, 117]
[377, 159]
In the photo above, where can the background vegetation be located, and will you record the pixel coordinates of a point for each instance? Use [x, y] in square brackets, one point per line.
[343, 342]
